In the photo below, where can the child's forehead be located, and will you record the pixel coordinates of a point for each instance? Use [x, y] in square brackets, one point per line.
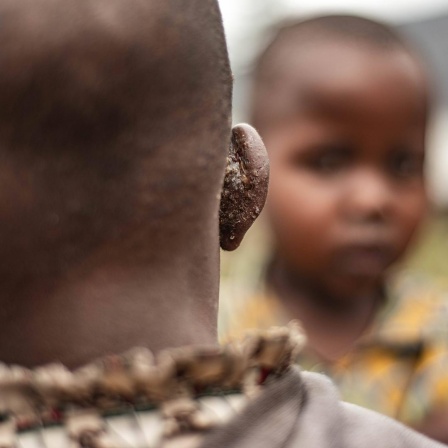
[337, 76]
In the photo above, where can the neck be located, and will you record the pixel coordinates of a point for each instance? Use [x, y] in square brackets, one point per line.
[332, 325]
[108, 309]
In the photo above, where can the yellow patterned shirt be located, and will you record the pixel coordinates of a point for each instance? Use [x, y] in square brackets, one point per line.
[399, 367]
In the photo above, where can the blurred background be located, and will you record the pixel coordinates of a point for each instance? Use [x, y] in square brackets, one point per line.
[249, 27]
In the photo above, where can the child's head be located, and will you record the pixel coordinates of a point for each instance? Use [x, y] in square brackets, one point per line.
[114, 128]
[342, 105]
[114, 136]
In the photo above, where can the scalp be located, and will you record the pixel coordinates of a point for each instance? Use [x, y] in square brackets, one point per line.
[114, 120]
[82, 72]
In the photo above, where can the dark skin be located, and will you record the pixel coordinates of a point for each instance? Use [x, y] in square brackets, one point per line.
[113, 147]
[71, 294]
[347, 189]
[149, 287]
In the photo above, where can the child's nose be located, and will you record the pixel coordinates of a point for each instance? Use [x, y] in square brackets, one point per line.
[368, 196]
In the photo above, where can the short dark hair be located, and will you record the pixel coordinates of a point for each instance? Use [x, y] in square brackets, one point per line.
[85, 73]
[117, 110]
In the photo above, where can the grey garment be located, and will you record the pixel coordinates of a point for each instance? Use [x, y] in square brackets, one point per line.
[303, 410]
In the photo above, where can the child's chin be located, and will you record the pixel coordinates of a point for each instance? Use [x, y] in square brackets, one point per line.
[348, 287]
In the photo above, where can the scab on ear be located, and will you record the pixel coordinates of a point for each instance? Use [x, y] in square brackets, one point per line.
[245, 185]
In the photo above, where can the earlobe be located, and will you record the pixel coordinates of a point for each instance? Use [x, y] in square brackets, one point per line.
[245, 185]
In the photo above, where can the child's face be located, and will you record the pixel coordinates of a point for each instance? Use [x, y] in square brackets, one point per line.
[347, 188]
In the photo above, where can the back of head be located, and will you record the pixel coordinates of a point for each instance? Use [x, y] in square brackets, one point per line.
[110, 111]
[279, 59]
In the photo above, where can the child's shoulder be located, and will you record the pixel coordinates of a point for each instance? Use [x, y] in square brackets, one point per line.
[417, 306]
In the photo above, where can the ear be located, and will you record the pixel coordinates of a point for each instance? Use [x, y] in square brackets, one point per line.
[245, 185]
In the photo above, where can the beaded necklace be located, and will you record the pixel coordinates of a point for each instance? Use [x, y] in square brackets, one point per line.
[179, 386]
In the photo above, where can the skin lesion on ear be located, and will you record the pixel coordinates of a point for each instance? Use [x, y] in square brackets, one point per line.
[245, 185]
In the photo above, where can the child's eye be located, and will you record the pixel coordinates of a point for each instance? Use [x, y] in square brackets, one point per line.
[406, 164]
[329, 160]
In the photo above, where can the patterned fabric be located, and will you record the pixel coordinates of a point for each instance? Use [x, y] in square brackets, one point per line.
[399, 367]
[136, 429]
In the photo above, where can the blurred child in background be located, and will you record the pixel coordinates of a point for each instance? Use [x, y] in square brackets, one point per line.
[342, 104]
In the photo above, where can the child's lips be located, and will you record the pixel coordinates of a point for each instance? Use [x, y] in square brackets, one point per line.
[367, 260]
